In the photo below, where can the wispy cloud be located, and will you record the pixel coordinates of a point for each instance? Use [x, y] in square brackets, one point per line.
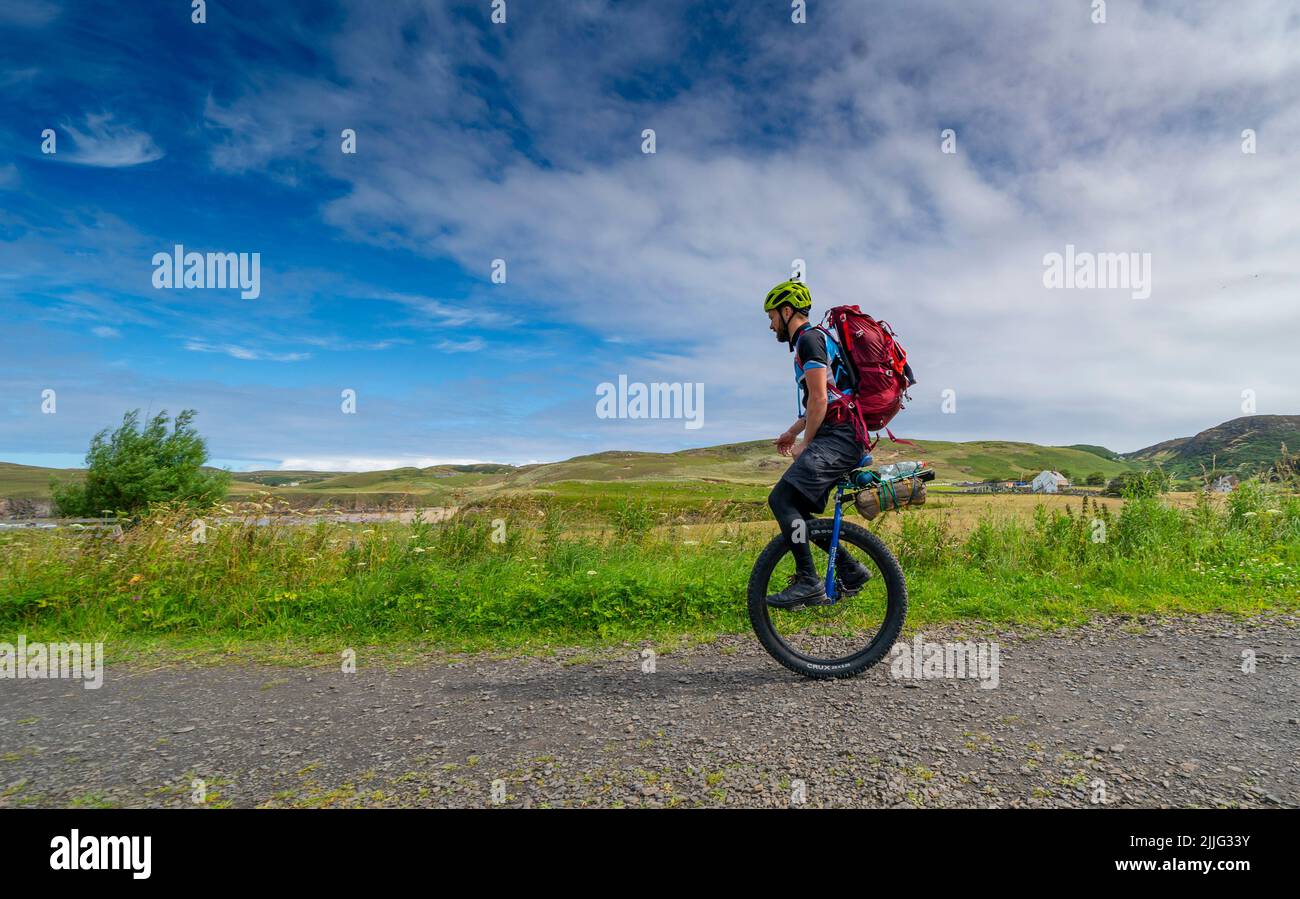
[1114, 137]
[245, 353]
[466, 345]
[105, 331]
[444, 314]
[340, 345]
[103, 143]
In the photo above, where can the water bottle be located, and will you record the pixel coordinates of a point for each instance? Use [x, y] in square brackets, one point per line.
[897, 470]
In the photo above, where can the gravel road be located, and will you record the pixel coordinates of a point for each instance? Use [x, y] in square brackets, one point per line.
[1121, 714]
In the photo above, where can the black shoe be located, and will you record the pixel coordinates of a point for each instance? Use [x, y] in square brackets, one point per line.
[804, 590]
[852, 577]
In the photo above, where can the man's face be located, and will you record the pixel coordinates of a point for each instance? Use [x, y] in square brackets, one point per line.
[778, 325]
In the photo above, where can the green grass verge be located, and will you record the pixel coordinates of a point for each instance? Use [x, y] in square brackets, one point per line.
[517, 581]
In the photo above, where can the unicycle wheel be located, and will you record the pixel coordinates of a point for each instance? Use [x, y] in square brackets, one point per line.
[846, 637]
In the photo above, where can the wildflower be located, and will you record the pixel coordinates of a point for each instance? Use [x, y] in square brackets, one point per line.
[135, 579]
[590, 573]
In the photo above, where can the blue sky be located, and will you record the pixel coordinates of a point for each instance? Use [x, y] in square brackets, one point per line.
[775, 141]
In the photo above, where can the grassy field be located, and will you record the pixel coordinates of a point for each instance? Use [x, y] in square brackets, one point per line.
[549, 572]
[694, 478]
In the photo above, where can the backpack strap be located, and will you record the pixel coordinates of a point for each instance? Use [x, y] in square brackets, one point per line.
[894, 439]
[845, 361]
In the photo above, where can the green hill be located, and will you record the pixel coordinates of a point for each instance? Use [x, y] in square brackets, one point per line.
[1097, 451]
[740, 465]
[731, 470]
[1242, 446]
[981, 459]
[30, 481]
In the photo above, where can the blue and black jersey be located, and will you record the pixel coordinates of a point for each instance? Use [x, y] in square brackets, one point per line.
[814, 348]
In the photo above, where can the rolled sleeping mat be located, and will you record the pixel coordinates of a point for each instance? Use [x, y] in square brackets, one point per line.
[891, 495]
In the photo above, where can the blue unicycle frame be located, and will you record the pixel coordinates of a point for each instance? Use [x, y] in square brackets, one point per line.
[855, 478]
[831, 592]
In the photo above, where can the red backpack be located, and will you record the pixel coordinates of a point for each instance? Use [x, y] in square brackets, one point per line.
[880, 370]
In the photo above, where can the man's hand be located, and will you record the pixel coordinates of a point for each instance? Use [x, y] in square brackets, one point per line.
[797, 450]
[784, 443]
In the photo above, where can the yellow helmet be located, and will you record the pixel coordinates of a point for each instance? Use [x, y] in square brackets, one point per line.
[788, 293]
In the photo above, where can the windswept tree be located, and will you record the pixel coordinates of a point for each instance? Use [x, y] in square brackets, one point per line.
[133, 467]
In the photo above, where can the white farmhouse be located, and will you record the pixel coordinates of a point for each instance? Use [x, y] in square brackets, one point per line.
[1225, 484]
[1050, 482]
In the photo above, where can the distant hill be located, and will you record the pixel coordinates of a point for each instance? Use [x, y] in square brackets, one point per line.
[743, 465]
[1097, 451]
[729, 470]
[1242, 446]
[30, 481]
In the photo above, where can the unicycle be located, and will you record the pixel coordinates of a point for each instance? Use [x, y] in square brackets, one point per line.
[854, 630]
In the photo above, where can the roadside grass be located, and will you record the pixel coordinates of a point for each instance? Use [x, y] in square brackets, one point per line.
[532, 579]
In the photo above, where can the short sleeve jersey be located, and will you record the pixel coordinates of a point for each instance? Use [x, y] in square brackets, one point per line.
[813, 348]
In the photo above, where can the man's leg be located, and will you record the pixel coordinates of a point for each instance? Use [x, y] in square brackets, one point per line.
[792, 509]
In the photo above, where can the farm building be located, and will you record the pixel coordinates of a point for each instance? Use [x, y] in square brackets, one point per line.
[1050, 482]
[1225, 484]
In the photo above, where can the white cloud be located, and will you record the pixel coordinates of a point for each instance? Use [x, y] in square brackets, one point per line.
[103, 143]
[105, 331]
[434, 313]
[461, 345]
[236, 351]
[1113, 138]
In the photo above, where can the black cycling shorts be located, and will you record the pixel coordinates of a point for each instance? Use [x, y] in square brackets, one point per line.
[833, 453]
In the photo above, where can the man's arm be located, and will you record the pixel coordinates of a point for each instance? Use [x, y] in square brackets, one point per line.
[815, 413]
